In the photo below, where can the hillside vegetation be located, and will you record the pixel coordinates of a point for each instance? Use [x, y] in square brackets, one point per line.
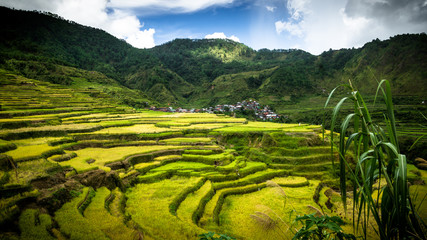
[82, 158]
[186, 72]
[77, 164]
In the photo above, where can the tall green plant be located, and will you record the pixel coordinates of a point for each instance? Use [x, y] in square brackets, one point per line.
[322, 227]
[377, 156]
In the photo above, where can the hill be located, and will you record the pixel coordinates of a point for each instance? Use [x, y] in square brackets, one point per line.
[77, 162]
[199, 73]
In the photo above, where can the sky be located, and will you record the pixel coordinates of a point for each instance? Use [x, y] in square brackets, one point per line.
[311, 25]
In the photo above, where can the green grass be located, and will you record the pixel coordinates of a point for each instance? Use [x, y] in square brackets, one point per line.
[257, 177]
[230, 167]
[209, 218]
[30, 170]
[303, 168]
[103, 156]
[29, 152]
[137, 128]
[301, 151]
[73, 224]
[111, 225]
[145, 165]
[48, 130]
[419, 195]
[220, 158]
[9, 210]
[115, 206]
[167, 124]
[186, 140]
[189, 205]
[252, 167]
[6, 146]
[265, 151]
[274, 202]
[310, 159]
[199, 151]
[34, 225]
[196, 166]
[205, 126]
[291, 181]
[148, 205]
[167, 157]
[203, 119]
[266, 127]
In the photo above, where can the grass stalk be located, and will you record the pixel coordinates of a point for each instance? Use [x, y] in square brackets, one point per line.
[377, 156]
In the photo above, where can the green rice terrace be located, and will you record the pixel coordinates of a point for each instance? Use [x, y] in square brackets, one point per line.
[88, 168]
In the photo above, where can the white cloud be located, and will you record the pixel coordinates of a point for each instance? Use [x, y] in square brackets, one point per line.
[294, 29]
[320, 25]
[222, 35]
[142, 39]
[119, 23]
[178, 6]
[270, 8]
[298, 8]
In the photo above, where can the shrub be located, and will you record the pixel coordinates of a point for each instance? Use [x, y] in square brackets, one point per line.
[211, 236]
[323, 227]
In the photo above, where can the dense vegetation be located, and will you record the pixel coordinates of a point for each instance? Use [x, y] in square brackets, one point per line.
[81, 157]
[77, 164]
[187, 72]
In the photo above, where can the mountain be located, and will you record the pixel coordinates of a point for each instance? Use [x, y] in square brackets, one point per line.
[199, 73]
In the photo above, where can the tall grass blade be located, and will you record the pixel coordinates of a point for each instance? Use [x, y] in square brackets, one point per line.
[390, 112]
[342, 149]
[334, 119]
[378, 157]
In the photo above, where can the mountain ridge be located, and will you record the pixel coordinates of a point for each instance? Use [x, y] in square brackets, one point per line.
[199, 72]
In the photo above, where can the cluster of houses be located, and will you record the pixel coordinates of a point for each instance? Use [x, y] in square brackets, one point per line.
[261, 112]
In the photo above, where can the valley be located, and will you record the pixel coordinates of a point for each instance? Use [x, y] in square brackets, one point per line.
[100, 170]
[82, 156]
[162, 175]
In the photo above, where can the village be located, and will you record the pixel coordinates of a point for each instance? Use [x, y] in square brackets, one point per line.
[263, 113]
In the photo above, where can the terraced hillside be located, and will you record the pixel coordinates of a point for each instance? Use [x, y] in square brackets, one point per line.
[75, 165]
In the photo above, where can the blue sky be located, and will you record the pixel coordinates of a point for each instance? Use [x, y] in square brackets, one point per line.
[312, 25]
[246, 21]
[229, 20]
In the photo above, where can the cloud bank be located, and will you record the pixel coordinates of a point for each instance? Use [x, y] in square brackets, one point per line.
[312, 25]
[320, 25]
[175, 6]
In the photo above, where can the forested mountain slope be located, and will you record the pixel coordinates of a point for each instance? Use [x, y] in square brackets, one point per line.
[198, 73]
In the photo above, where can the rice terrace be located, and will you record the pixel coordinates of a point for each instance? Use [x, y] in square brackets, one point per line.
[92, 145]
